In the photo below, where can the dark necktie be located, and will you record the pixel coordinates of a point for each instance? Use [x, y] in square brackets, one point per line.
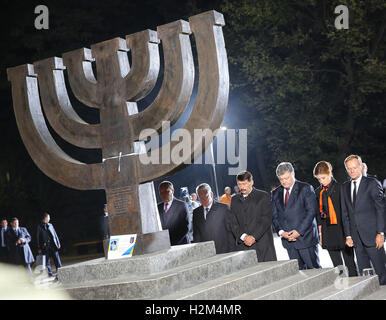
[286, 197]
[354, 194]
[206, 212]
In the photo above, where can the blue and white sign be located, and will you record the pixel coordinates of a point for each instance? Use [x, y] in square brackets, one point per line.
[121, 246]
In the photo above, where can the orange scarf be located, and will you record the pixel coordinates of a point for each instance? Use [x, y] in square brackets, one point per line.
[331, 209]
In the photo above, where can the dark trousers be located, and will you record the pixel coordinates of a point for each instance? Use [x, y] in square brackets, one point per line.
[376, 256]
[308, 258]
[4, 257]
[52, 252]
[348, 256]
[28, 266]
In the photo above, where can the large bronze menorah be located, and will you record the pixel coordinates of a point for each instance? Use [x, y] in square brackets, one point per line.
[114, 91]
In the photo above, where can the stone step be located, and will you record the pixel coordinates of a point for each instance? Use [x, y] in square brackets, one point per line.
[293, 287]
[134, 286]
[237, 283]
[352, 288]
[102, 269]
[380, 294]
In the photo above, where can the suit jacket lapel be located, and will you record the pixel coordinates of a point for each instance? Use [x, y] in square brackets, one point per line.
[239, 209]
[169, 213]
[348, 193]
[246, 203]
[162, 213]
[293, 195]
[281, 197]
[200, 213]
[362, 186]
[212, 211]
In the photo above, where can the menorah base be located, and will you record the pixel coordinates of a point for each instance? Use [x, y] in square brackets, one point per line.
[146, 243]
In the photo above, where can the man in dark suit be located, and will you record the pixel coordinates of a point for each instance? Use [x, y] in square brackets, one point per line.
[18, 239]
[363, 214]
[174, 215]
[3, 242]
[48, 243]
[294, 216]
[251, 219]
[364, 172]
[211, 221]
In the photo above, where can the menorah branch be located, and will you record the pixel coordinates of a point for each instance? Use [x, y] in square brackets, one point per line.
[44, 151]
[212, 97]
[178, 80]
[114, 91]
[58, 109]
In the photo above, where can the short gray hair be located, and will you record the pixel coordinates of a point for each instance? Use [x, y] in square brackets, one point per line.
[284, 167]
[203, 186]
[351, 157]
[166, 183]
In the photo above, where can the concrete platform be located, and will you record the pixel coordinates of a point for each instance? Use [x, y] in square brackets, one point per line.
[239, 282]
[195, 271]
[103, 269]
[142, 285]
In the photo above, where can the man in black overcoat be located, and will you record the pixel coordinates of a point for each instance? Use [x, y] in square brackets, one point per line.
[3, 242]
[211, 221]
[48, 243]
[251, 219]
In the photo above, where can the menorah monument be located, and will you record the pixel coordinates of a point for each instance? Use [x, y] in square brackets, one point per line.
[39, 92]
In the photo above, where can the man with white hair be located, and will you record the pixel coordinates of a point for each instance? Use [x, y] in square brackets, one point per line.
[226, 197]
[363, 216]
[294, 209]
[211, 221]
[364, 171]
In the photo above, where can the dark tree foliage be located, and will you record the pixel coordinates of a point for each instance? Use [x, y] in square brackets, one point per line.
[318, 93]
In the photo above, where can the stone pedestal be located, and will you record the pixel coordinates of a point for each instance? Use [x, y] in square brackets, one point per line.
[195, 271]
[146, 243]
